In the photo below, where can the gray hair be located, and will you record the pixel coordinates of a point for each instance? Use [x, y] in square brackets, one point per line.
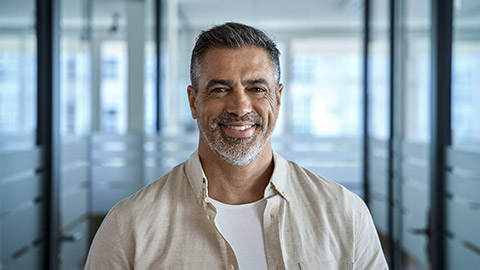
[232, 35]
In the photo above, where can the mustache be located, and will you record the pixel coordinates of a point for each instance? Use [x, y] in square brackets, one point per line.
[231, 117]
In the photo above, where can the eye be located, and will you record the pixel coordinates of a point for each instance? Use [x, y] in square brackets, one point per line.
[218, 90]
[258, 90]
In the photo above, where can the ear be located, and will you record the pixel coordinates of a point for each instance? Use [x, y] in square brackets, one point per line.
[279, 94]
[192, 98]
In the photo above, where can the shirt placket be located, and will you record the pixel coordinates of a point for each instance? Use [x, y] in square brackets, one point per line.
[211, 212]
[272, 219]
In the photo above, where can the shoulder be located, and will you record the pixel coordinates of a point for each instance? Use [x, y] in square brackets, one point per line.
[124, 229]
[151, 196]
[306, 183]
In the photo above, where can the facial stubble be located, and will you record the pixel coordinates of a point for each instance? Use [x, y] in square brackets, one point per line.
[236, 151]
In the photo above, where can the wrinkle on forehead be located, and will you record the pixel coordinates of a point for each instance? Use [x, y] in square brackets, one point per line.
[257, 66]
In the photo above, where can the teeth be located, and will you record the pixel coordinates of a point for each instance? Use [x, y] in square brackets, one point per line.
[241, 127]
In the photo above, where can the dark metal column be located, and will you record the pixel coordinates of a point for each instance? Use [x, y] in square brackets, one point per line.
[47, 26]
[442, 27]
[158, 40]
[89, 37]
[392, 245]
[366, 39]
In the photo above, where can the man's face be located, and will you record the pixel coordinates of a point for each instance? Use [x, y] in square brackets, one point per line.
[237, 102]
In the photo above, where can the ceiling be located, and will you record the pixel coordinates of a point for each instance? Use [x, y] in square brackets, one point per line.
[273, 15]
[200, 14]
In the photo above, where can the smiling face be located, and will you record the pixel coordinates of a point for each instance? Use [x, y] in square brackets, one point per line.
[236, 104]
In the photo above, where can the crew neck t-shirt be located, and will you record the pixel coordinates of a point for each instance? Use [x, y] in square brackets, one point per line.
[242, 227]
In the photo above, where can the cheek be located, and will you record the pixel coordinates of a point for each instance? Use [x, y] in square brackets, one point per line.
[208, 111]
[268, 109]
[273, 105]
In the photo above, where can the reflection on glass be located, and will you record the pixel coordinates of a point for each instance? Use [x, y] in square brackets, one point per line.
[378, 72]
[462, 243]
[414, 91]
[415, 62]
[18, 75]
[378, 118]
[21, 181]
[75, 72]
[150, 87]
[75, 86]
[113, 87]
[465, 76]
[150, 69]
[326, 83]
[378, 97]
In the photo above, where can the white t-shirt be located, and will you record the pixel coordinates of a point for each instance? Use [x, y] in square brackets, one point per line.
[242, 227]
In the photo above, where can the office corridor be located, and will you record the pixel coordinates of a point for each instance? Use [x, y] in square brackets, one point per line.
[381, 96]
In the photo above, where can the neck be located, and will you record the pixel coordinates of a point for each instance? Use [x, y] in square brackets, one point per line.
[232, 184]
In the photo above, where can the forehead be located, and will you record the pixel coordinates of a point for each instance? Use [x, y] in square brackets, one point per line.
[231, 64]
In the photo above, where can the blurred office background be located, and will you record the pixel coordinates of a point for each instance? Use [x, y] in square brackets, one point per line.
[382, 96]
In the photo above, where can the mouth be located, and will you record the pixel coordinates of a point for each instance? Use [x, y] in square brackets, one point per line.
[239, 129]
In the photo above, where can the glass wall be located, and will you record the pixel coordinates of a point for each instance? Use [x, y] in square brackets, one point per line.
[122, 90]
[465, 79]
[22, 194]
[125, 99]
[113, 87]
[410, 161]
[324, 104]
[75, 104]
[463, 156]
[150, 85]
[18, 76]
[326, 81]
[412, 132]
[378, 118]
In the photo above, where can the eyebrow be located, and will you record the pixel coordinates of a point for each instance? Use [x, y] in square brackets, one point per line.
[217, 81]
[256, 81]
[230, 83]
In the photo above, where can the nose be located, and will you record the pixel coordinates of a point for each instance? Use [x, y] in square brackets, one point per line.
[240, 102]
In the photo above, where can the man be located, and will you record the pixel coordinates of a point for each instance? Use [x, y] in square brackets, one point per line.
[236, 204]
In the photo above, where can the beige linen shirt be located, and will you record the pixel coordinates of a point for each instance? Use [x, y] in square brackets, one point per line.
[309, 223]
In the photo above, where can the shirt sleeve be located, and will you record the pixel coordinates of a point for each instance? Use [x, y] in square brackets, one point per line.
[368, 250]
[108, 249]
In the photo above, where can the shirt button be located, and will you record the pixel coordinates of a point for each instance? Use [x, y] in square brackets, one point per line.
[231, 267]
[208, 217]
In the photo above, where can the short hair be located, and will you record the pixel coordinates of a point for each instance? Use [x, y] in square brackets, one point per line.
[232, 35]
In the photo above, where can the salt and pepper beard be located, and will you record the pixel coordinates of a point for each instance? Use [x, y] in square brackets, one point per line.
[236, 151]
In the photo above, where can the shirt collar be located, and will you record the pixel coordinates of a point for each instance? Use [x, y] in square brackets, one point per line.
[196, 177]
[280, 178]
[199, 183]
